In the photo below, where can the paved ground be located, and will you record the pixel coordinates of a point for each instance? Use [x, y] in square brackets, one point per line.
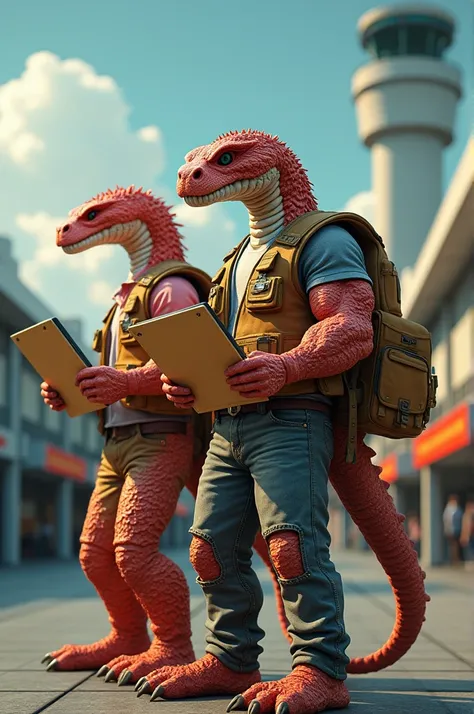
[44, 606]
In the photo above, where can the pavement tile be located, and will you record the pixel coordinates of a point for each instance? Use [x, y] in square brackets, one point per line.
[24, 702]
[39, 681]
[127, 702]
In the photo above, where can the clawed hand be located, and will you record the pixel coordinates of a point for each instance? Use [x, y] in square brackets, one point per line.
[261, 375]
[102, 385]
[182, 397]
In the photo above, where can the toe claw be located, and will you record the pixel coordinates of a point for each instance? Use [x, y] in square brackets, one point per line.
[254, 707]
[47, 658]
[141, 681]
[283, 708]
[52, 665]
[157, 693]
[145, 689]
[110, 676]
[125, 678]
[102, 671]
[238, 703]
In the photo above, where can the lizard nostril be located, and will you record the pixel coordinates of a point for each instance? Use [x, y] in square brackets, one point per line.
[197, 174]
[180, 175]
[65, 228]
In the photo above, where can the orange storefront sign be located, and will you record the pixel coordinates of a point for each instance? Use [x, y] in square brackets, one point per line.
[449, 434]
[62, 463]
[389, 469]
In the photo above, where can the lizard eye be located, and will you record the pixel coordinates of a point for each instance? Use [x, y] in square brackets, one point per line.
[225, 159]
[91, 215]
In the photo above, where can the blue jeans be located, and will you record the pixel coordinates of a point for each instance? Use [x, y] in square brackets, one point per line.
[270, 471]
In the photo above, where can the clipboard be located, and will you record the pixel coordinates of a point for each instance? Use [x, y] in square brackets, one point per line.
[57, 358]
[193, 348]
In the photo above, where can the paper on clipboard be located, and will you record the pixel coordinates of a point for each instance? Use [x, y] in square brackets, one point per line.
[193, 348]
[57, 358]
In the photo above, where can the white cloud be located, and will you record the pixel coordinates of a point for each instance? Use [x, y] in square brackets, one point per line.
[65, 135]
[362, 203]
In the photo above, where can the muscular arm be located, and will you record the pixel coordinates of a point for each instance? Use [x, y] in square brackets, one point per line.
[342, 336]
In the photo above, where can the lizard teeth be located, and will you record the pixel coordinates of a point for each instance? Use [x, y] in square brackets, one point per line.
[242, 186]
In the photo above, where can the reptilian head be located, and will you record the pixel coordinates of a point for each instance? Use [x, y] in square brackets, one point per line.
[132, 218]
[239, 166]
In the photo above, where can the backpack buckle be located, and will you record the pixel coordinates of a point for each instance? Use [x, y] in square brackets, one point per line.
[403, 412]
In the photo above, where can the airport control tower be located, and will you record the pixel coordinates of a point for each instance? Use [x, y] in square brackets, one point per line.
[406, 99]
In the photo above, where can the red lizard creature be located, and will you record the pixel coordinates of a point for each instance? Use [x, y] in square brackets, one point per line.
[148, 455]
[263, 173]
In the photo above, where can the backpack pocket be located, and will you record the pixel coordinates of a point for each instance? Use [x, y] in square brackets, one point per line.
[401, 389]
[396, 382]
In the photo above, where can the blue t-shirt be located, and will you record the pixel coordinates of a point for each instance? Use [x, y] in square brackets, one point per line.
[331, 254]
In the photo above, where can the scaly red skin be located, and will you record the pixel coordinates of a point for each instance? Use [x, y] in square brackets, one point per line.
[145, 583]
[340, 339]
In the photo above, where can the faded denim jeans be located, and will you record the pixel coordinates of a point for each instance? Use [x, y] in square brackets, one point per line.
[270, 471]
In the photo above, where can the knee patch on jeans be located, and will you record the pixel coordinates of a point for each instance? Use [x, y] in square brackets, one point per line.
[285, 552]
[203, 560]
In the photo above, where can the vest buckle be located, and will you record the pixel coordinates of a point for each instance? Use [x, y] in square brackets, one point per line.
[233, 411]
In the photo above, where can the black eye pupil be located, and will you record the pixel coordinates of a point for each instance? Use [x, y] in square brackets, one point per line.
[225, 159]
[91, 215]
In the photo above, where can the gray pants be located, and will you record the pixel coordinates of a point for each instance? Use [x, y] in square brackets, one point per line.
[270, 470]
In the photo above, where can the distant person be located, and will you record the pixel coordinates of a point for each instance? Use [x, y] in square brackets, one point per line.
[452, 522]
[414, 531]
[467, 532]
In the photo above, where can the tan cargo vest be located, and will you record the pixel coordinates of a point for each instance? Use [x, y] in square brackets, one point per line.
[392, 391]
[274, 313]
[130, 354]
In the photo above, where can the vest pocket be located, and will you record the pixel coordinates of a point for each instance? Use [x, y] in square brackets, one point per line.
[97, 341]
[126, 338]
[264, 293]
[263, 343]
[216, 299]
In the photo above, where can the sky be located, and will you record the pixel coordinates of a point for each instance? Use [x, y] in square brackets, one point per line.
[94, 94]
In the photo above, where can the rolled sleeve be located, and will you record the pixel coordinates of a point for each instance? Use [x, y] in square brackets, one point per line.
[332, 254]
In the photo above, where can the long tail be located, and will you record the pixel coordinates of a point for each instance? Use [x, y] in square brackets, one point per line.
[259, 545]
[365, 497]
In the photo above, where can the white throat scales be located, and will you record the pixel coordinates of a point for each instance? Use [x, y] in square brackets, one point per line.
[138, 244]
[265, 207]
[133, 236]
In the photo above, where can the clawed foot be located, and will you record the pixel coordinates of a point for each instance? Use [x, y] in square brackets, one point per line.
[306, 690]
[205, 677]
[87, 657]
[128, 669]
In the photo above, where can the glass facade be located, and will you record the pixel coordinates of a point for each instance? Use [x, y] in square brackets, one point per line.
[408, 35]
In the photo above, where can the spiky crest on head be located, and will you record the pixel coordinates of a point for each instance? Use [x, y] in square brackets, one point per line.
[256, 153]
[123, 205]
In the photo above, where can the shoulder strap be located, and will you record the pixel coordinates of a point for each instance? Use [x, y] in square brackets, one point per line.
[141, 292]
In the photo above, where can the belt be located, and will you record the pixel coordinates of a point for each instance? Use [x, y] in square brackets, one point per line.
[150, 427]
[275, 405]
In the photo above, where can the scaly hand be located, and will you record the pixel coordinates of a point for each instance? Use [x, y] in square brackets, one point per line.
[52, 398]
[261, 375]
[103, 385]
[182, 397]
